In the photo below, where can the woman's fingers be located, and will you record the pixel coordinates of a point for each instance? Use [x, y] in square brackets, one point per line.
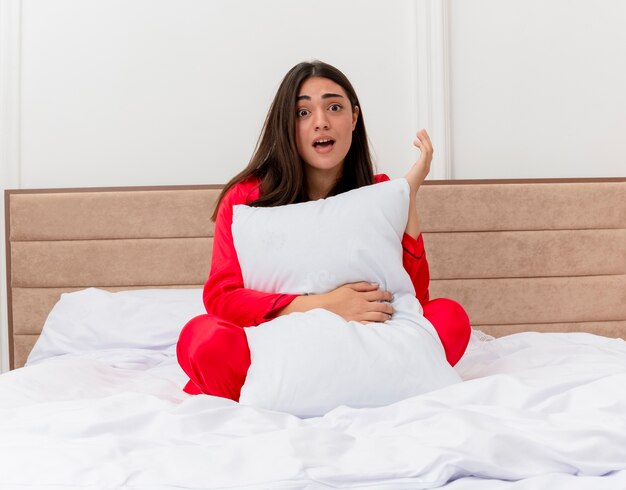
[378, 295]
[378, 311]
[420, 169]
[363, 286]
[422, 141]
[378, 299]
[362, 301]
[423, 135]
[385, 308]
[378, 317]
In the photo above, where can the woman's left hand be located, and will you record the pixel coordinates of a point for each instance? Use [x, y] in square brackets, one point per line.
[418, 172]
[415, 177]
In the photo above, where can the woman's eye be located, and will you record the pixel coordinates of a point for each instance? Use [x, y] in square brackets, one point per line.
[335, 107]
[302, 112]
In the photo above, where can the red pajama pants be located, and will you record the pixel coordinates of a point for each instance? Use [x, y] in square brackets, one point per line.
[215, 355]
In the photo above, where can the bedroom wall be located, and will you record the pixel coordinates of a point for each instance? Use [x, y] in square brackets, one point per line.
[149, 92]
[537, 88]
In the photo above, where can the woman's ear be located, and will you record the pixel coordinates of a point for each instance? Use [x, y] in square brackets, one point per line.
[355, 116]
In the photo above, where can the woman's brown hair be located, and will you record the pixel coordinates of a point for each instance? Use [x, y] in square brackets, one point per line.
[276, 162]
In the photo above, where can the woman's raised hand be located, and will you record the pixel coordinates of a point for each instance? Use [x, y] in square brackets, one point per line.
[418, 172]
[415, 177]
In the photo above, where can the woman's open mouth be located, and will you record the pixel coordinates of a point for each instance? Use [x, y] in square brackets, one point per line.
[323, 145]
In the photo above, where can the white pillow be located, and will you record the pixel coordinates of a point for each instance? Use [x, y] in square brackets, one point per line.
[93, 319]
[309, 363]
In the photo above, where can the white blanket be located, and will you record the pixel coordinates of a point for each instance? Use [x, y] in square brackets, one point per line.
[535, 411]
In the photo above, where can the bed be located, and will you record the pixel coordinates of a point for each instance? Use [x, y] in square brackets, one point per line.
[540, 266]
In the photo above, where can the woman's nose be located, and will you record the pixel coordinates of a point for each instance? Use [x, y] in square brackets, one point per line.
[321, 121]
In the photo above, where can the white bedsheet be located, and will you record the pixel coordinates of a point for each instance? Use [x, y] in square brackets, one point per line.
[535, 411]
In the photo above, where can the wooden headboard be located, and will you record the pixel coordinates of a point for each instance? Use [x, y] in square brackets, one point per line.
[543, 255]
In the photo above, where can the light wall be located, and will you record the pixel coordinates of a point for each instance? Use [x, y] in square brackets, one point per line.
[149, 92]
[175, 92]
[538, 88]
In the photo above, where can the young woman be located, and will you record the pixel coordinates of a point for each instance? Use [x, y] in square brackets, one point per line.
[313, 145]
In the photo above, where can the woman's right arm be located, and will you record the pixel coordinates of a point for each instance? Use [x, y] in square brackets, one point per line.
[224, 293]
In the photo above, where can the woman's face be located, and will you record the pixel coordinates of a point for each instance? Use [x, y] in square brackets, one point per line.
[324, 124]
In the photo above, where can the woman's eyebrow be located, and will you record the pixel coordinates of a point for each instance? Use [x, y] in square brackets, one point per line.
[324, 96]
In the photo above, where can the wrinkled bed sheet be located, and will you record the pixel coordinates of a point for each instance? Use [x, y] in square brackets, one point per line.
[535, 411]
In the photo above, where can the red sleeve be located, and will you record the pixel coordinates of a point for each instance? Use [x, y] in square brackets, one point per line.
[414, 259]
[224, 293]
[415, 263]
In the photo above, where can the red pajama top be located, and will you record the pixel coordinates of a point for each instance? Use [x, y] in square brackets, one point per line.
[224, 293]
